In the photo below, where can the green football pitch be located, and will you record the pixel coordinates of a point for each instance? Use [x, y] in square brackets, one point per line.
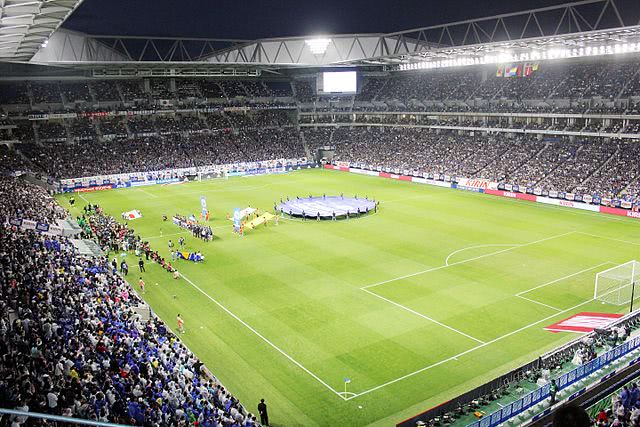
[437, 292]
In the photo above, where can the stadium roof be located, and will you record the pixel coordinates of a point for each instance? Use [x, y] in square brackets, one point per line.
[25, 25]
[581, 28]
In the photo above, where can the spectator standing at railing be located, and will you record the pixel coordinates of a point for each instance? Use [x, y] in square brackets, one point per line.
[602, 419]
[553, 390]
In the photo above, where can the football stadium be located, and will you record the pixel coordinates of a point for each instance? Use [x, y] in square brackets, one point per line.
[435, 226]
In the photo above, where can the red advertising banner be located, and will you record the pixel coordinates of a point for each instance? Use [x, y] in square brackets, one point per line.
[96, 188]
[619, 212]
[512, 195]
[486, 185]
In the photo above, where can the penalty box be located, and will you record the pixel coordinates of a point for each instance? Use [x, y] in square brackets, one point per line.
[491, 293]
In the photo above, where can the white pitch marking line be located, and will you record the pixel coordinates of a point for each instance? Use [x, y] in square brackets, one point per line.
[223, 190]
[406, 276]
[346, 393]
[263, 338]
[610, 238]
[147, 193]
[83, 198]
[596, 215]
[433, 365]
[562, 278]
[423, 316]
[180, 232]
[446, 261]
[538, 302]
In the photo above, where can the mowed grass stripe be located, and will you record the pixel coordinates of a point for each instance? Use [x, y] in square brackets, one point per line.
[298, 285]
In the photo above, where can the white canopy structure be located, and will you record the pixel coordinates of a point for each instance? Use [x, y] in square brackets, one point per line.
[26, 25]
[581, 28]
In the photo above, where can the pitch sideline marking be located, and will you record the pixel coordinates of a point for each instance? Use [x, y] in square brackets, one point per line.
[346, 393]
[597, 215]
[610, 238]
[181, 232]
[263, 338]
[446, 261]
[222, 190]
[147, 193]
[406, 276]
[84, 198]
[455, 357]
[423, 316]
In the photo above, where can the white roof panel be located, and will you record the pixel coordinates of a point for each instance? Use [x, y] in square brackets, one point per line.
[25, 25]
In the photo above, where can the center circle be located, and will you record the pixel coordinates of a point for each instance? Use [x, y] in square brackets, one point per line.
[327, 207]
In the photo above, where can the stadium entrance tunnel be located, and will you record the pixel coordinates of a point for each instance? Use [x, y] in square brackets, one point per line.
[327, 207]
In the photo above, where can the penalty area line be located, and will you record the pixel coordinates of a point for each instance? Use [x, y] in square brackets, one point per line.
[418, 273]
[538, 302]
[519, 294]
[471, 350]
[446, 261]
[263, 338]
[423, 316]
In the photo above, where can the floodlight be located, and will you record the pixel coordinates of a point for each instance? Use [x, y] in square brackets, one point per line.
[318, 46]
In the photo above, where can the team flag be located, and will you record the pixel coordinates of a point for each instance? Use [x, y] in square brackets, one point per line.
[203, 204]
[134, 214]
[190, 256]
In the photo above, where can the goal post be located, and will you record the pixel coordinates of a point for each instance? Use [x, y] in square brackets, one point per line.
[615, 285]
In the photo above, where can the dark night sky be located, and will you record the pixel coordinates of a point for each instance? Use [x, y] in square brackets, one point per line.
[251, 19]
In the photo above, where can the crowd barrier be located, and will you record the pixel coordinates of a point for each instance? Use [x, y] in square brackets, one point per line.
[545, 361]
[487, 187]
[42, 227]
[174, 176]
[563, 381]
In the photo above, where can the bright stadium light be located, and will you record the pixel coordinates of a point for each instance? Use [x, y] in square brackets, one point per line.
[318, 46]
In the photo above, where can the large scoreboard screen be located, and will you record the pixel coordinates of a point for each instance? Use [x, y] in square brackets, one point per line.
[337, 82]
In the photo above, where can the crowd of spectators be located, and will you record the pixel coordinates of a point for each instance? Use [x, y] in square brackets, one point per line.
[83, 129]
[624, 410]
[585, 85]
[76, 92]
[46, 93]
[14, 93]
[90, 158]
[607, 168]
[114, 127]
[11, 161]
[569, 79]
[51, 131]
[73, 341]
[21, 199]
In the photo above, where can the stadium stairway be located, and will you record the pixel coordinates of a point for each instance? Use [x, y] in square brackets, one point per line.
[69, 227]
[87, 247]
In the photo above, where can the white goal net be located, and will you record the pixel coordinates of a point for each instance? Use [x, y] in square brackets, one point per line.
[615, 285]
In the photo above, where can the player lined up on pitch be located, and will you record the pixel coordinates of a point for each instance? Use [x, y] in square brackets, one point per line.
[121, 239]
